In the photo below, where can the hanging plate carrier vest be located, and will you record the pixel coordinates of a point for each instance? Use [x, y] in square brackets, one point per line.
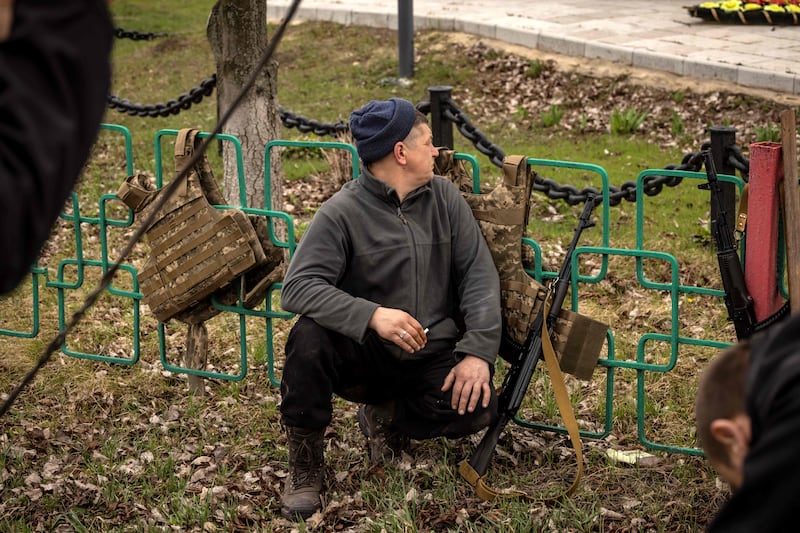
[197, 251]
[502, 214]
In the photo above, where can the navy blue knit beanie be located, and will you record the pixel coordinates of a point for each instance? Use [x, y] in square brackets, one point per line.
[379, 125]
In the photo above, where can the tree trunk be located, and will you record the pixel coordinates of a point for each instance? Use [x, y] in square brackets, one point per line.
[237, 32]
[196, 356]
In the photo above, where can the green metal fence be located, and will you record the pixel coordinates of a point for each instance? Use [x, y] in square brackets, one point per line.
[670, 290]
[656, 353]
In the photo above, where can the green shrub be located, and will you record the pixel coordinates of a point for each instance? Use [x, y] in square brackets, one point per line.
[552, 116]
[677, 124]
[626, 122]
[768, 133]
[535, 68]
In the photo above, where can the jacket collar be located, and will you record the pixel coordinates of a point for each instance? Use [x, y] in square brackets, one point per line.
[382, 190]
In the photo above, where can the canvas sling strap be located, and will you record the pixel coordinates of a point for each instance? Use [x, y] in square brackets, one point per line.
[195, 249]
[741, 218]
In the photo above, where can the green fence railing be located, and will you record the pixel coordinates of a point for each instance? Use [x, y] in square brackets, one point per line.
[88, 242]
[670, 293]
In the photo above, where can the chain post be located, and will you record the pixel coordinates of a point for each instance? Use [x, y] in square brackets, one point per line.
[722, 137]
[441, 126]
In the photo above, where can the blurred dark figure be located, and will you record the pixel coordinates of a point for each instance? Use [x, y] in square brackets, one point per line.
[54, 79]
[746, 418]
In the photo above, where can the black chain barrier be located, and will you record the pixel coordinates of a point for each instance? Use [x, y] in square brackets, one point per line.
[653, 185]
[737, 160]
[120, 33]
[305, 125]
[172, 107]
[473, 134]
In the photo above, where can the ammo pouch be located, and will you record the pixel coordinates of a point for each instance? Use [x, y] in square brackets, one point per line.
[502, 214]
[197, 251]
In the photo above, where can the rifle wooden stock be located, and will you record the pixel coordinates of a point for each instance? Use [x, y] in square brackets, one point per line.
[518, 378]
[738, 301]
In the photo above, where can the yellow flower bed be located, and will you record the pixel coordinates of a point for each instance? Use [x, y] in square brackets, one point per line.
[752, 12]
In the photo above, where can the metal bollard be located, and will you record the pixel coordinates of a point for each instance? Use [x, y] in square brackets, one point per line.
[721, 138]
[441, 126]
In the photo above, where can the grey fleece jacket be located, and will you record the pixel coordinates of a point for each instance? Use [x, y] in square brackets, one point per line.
[426, 256]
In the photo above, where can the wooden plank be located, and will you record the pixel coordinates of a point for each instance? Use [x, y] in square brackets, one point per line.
[791, 205]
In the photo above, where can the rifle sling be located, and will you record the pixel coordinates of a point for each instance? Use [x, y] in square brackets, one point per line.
[485, 491]
[741, 219]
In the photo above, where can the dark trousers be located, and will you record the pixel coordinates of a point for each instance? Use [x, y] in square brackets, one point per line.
[320, 363]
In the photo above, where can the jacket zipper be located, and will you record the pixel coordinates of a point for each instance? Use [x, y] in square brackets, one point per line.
[414, 261]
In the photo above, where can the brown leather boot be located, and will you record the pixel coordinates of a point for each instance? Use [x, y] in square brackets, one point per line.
[302, 490]
[384, 442]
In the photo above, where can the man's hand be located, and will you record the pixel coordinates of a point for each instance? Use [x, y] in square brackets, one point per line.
[469, 380]
[399, 327]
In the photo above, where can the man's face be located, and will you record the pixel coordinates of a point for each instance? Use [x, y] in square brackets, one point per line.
[420, 153]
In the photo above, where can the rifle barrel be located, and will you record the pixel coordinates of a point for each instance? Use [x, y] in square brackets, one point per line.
[738, 302]
[723, 235]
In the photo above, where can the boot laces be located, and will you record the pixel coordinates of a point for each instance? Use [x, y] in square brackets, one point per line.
[305, 473]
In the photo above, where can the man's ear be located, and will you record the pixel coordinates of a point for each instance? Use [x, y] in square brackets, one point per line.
[730, 433]
[400, 152]
[734, 434]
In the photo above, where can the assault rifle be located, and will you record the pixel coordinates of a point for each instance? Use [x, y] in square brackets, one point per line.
[737, 298]
[515, 384]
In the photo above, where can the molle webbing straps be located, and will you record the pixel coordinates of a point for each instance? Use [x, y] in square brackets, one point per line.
[195, 248]
[503, 214]
[516, 172]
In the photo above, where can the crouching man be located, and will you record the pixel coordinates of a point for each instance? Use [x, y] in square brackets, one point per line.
[399, 305]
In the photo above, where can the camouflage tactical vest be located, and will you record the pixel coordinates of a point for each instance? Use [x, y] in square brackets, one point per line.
[503, 214]
[198, 251]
